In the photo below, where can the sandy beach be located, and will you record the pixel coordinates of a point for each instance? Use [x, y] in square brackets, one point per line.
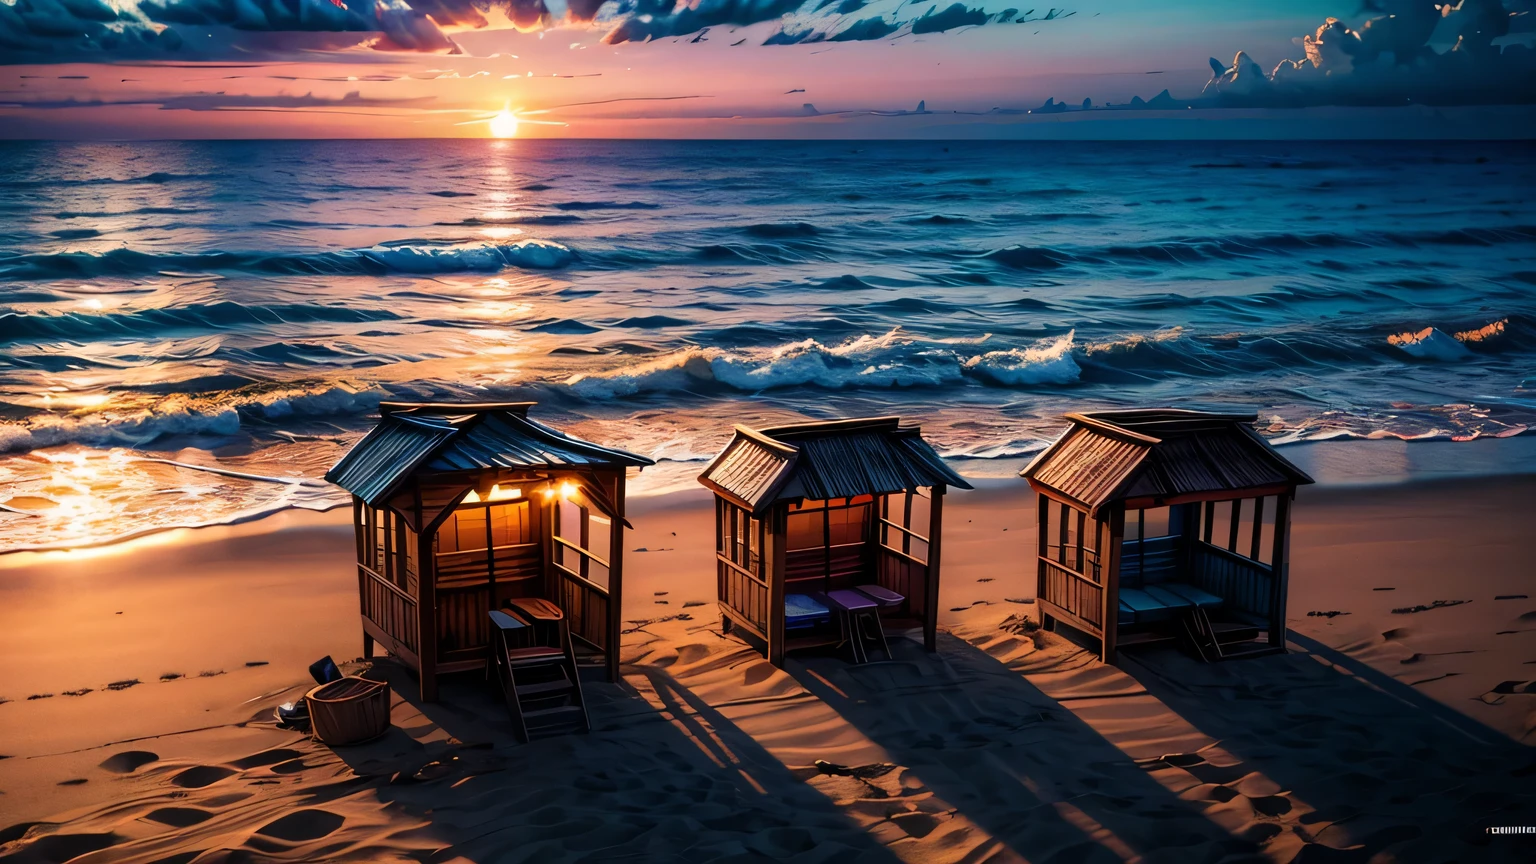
[138, 725]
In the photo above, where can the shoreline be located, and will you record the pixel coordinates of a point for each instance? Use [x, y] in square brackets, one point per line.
[1335, 464]
[206, 630]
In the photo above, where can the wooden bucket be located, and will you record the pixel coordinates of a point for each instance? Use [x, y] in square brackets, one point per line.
[348, 711]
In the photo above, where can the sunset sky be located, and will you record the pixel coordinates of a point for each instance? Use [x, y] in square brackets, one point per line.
[722, 68]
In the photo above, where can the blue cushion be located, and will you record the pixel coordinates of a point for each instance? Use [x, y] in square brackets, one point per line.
[1151, 603]
[801, 610]
[1203, 599]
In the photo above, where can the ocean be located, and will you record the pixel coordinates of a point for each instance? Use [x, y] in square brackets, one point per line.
[192, 332]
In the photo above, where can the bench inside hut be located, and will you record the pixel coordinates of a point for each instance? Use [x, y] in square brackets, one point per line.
[1165, 524]
[807, 512]
[462, 508]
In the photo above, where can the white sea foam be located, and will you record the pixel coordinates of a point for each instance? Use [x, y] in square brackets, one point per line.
[488, 257]
[1048, 363]
[893, 359]
[180, 415]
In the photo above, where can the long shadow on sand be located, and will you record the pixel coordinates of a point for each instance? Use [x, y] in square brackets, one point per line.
[1013, 760]
[1381, 767]
[674, 784]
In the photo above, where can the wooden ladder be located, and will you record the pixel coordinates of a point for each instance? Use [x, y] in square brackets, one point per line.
[539, 681]
[1219, 643]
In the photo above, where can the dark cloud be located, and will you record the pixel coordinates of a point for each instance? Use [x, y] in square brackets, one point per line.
[865, 30]
[225, 102]
[43, 31]
[1393, 59]
[956, 15]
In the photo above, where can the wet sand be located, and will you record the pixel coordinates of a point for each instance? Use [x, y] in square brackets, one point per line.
[1380, 734]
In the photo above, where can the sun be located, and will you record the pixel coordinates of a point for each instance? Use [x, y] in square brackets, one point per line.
[504, 125]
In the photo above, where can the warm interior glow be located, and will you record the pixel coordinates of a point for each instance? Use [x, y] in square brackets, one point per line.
[549, 492]
[504, 124]
[500, 494]
[567, 490]
[472, 498]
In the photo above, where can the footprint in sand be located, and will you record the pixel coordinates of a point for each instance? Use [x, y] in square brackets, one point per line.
[129, 761]
[179, 817]
[303, 826]
[68, 847]
[266, 757]
[201, 775]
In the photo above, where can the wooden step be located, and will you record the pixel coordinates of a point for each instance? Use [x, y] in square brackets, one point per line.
[1232, 634]
[544, 689]
[543, 717]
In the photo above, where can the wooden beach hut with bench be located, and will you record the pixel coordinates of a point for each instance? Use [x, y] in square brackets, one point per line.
[1165, 524]
[465, 509]
[825, 524]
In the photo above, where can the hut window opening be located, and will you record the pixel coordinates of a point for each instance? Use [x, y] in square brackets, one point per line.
[579, 534]
[904, 522]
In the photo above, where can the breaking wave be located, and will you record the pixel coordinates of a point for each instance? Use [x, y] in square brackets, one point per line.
[406, 257]
[895, 359]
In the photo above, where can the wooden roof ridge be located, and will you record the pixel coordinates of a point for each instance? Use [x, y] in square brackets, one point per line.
[520, 408]
[846, 426]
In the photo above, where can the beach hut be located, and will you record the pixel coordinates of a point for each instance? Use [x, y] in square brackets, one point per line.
[812, 512]
[1161, 524]
[461, 509]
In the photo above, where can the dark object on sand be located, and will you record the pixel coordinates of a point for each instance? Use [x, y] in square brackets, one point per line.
[1511, 597]
[826, 767]
[348, 711]
[459, 506]
[813, 510]
[535, 667]
[324, 670]
[1331, 613]
[1438, 604]
[1154, 526]
[293, 715]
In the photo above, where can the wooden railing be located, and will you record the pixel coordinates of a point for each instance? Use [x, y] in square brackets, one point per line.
[585, 604]
[743, 592]
[390, 609]
[1072, 592]
[1243, 583]
[905, 574]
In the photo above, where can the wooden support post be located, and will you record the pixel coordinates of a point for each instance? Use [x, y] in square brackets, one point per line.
[1237, 521]
[1110, 620]
[1210, 520]
[1042, 548]
[1258, 528]
[931, 592]
[426, 616]
[362, 579]
[778, 521]
[1280, 567]
[616, 577]
[1082, 525]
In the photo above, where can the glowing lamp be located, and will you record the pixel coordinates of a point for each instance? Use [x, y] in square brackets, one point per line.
[549, 492]
[472, 498]
[567, 490]
[500, 494]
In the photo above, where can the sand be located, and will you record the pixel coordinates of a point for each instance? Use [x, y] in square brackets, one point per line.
[1381, 736]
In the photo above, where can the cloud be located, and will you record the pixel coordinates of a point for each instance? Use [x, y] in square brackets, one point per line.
[43, 31]
[1392, 60]
[935, 20]
[225, 102]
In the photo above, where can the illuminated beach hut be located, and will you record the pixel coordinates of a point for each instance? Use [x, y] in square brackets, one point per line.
[1165, 524]
[807, 510]
[460, 508]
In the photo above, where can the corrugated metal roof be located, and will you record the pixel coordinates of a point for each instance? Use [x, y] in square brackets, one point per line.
[839, 459]
[1160, 453]
[509, 440]
[390, 450]
[448, 437]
